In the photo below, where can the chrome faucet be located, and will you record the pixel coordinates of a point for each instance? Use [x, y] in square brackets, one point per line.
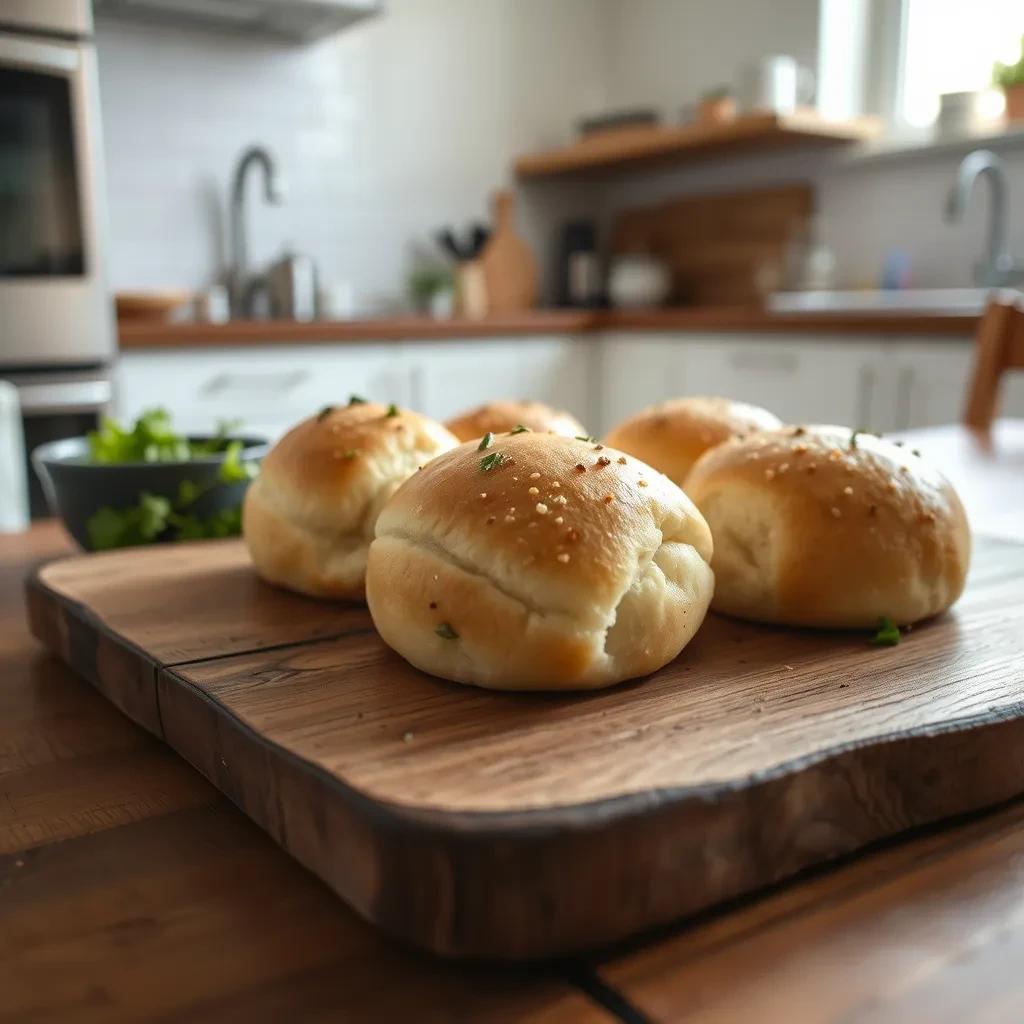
[254, 156]
[998, 268]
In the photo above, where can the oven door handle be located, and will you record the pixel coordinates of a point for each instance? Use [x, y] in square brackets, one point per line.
[27, 53]
[64, 396]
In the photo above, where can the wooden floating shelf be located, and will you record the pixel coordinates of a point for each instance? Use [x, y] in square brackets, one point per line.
[624, 147]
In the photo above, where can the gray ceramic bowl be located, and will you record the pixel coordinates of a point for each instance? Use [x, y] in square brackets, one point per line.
[76, 488]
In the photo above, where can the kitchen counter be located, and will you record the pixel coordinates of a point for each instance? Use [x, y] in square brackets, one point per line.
[131, 889]
[539, 322]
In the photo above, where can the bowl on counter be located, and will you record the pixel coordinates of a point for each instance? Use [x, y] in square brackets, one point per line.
[143, 502]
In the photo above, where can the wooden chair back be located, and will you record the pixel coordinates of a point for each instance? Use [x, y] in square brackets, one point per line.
[998, 347]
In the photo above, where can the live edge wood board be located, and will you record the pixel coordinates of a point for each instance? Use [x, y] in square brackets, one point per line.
[510, 826]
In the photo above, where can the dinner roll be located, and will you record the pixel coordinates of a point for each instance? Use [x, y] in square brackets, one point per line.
[824, 526]
[671, 436]
[539, 562]
[499, 417]
[308, 517]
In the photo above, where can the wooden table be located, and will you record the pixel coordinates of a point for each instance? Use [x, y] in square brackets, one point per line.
[130, 889]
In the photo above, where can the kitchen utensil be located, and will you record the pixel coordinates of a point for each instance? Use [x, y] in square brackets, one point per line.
[76, 488]
[447, 241]
[471, 297]
[579, 270]
[509, 268]
[480, 234]
[13, 485]
[638, 281]
[489, 825]
[777, 84]
[153, 304]
[291, 284]
[213, 306]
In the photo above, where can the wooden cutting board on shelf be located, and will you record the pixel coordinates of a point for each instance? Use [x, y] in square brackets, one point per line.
[506, 826]
[722, 249]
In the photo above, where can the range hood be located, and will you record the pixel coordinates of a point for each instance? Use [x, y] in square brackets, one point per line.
[297, 20]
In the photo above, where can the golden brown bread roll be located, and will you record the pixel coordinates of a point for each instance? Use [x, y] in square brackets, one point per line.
[823, 526]
[672, 435]
[308, 517]
[500, 417]
[540, 562]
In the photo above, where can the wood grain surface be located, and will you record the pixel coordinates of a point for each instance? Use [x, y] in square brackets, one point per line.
[629, 147]
[482, 824]
[755, 319]
[130, 889]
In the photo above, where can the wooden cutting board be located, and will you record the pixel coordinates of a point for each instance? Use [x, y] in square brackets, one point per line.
[506, 826]
[507, 264]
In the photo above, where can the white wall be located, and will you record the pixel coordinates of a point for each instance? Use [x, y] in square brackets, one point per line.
[668, 52]
[409, 121]
[383, 133]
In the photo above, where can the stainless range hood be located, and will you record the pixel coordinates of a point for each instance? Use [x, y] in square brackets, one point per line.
[297, 20]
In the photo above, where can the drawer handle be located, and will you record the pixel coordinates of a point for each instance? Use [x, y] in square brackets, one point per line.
[254, 383]
[782, 362]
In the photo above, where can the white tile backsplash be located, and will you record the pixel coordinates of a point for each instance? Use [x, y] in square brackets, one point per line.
[383, 133]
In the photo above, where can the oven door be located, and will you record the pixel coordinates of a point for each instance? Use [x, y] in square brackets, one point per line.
[54, 309]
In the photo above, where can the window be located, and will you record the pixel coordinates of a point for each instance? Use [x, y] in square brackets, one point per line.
[950, 46]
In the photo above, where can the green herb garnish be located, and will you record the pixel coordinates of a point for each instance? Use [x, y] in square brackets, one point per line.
[324, 413]
[853, 437]
[587, 438]
[492, 461]
[485, 441]
[888, 634]
[520, 429]
[446, 632]
[356, 400]
[392, 410]
[233, 470]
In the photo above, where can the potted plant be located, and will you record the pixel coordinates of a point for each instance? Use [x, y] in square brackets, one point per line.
[1010, 78]
[716, 105]
[431, 286]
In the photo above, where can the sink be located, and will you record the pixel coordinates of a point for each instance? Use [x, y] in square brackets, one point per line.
[909, 301]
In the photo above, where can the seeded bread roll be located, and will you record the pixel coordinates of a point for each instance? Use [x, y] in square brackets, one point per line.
[822, 526]
[308, 517]
[542, 562]
[671, 436]
[500, 417]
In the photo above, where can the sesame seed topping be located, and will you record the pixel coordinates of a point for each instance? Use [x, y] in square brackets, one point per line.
[542, 509]
[534, 490]
[835, 512]
[608, 499]
[800, 449]
[621, 460]
[784, 467]
[535, 476]
[510, 519]
[515, 479]
[847, 490]
[604, 461]
[563, 557]
[835, 455]
[483, 494]
[560, 499]
[580, 468]
[559, 520]
[769, 474]
[598, 447]
[641, 483]
[555, 484]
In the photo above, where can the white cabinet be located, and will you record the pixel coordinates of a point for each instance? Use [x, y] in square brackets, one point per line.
[830, 380]
[928, 378]
[452, 376]
[827, 380]
[269, 389]
[636, 370]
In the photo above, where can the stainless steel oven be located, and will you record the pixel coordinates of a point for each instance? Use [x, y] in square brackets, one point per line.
[57, 338]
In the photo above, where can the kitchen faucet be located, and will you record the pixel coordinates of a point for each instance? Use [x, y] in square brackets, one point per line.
[254, 156]
[998, 268]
